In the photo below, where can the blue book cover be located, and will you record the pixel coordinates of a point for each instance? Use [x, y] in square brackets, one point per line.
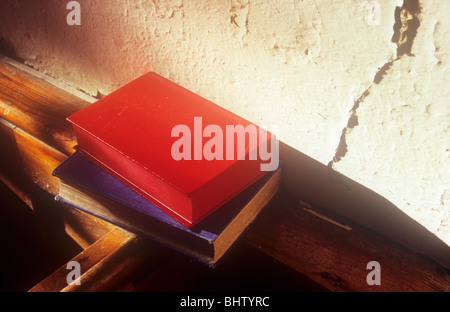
[87, 187]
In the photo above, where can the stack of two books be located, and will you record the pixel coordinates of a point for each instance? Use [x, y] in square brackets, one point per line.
[142, 165]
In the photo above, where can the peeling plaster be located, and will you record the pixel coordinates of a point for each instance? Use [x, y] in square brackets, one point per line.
[405, 30]
[400, 147]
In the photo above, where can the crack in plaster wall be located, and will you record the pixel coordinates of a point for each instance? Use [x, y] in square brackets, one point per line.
[405, 30]
[400, 147]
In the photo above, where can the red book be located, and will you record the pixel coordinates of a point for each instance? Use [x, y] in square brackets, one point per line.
[173, 147]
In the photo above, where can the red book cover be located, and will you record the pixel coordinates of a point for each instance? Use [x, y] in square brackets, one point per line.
[180, 151]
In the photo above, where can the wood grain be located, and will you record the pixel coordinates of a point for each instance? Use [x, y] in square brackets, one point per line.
[88, 259]
[38, 107]
[39, 160]
[11, 167]
[336, 257]
[83, 228]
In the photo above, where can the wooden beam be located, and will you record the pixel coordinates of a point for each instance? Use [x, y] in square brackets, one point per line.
[38, 107]
[37, 139]
[90, 261]
[39, 160]
[83, 228]
[334, 252]
[114, 268]
[11, 167]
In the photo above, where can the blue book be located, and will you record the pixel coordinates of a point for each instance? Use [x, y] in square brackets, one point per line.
[87, 187]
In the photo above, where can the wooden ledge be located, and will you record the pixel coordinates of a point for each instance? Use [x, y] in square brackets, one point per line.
[330, 251]
[334, 252]
[91, 262]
